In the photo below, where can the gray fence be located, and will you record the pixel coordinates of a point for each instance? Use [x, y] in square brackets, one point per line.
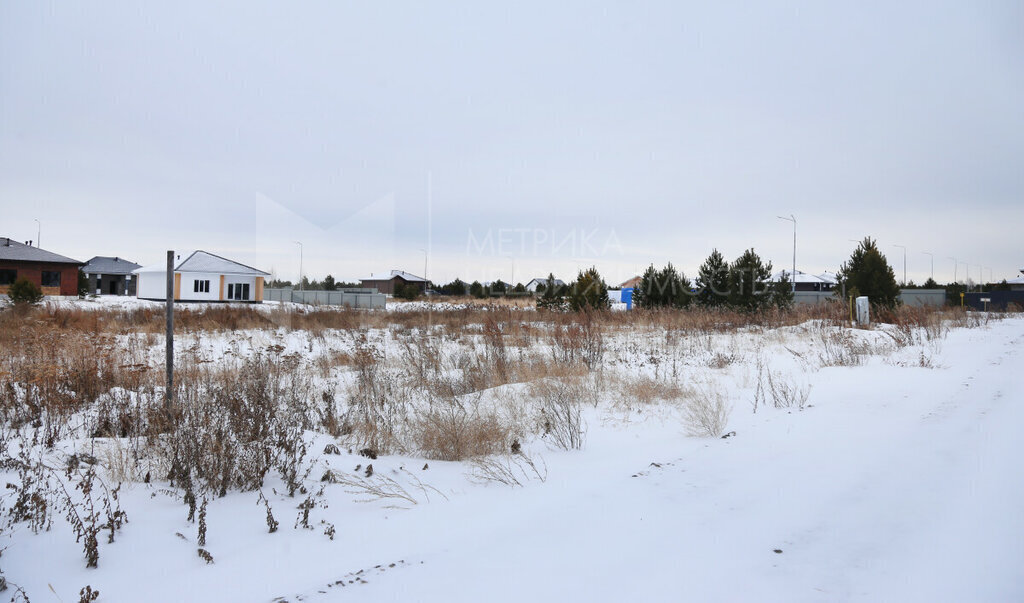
[812, 297]
[923, 297]
[353, 298]
[910, 297]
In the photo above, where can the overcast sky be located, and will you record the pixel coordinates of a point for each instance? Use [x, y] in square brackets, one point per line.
[514, 139]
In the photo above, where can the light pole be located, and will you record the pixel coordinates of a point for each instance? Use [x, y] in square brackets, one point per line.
[513, 283]
[39, 231]
[792, 219]
[949, 257]
[425, 281]
[299, 243]
[904, 263]
[932, 255]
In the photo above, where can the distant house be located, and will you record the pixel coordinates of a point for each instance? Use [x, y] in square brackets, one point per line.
[804, 281]
[110, 275]
[830, 278]
[1017, 284]
[631, 283]
[387, 282]
[54, 274]
[202, 276]
[540, 283]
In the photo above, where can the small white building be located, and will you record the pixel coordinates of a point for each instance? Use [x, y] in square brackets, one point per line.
[202, 276]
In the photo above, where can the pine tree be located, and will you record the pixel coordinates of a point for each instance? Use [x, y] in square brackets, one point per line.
[553, 297]
[589, 292]
[24, 292]
[782, 292]
[477, 290]
[749, 287]
[713, 281]
[867, 272]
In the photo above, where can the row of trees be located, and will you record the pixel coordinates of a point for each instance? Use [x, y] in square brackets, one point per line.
[744, 284]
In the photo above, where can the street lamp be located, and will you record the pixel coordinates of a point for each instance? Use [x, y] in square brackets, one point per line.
[792, 219]
[904, 263]
[932, 255]
[513, 260]
[39, 231]
[425, 281]
[300, 264]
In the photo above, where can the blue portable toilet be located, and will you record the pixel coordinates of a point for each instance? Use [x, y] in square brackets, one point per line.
[627, 297]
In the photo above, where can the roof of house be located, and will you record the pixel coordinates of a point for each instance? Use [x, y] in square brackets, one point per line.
[387, 276]
[633, 282]
[204, 261]
[544, 281]
[1016, 281]
[829, 277]
[109, 265]
[13, 251]
[801, 277]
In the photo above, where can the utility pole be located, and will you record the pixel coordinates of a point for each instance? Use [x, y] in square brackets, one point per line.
[300, 264]
[426, 281]
[792, 219]
[904, 263]
[169, 394]
[932, 255]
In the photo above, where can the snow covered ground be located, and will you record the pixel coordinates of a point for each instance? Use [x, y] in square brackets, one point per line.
[899, 480]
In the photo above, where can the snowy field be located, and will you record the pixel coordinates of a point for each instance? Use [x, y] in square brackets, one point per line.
[849, 465]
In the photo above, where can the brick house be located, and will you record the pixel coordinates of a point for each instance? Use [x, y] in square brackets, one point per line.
[55, 274]
[387, 282]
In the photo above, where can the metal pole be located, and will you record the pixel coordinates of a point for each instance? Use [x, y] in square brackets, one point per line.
[169, 394]
[300, 264]
[792, 219]
[904, 263]
[39, 234]
[949, 257]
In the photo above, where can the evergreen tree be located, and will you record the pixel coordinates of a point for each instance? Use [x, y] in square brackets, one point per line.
[498, 287]
[868, 273]
[713, 281]
[647, 293]
[589, 292]
[83, 284]
[553, 297]
[749, 286]
[477, 290]
[665, 288]
[456, 287]
[782, 292]
[24, 292]
[329, 284]
[930, 284]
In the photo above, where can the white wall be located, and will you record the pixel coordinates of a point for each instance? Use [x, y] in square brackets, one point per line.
[152, 285]
[188, 280]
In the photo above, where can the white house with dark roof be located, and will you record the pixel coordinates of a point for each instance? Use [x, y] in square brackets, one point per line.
[110, 275]
[804, 281]
[539, 283]
[202, 276]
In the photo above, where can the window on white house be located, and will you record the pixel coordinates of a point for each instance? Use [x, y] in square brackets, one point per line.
[200, 286]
